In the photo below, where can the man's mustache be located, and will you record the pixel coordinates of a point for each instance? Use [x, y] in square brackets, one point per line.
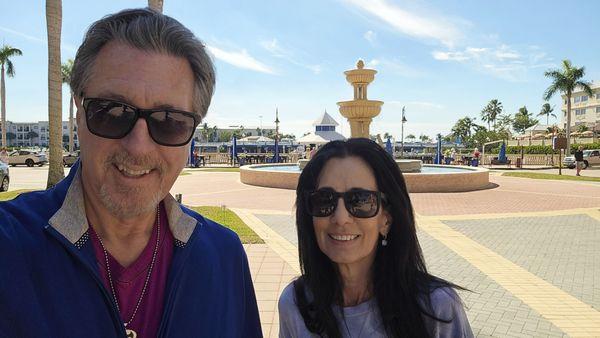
[143, 162]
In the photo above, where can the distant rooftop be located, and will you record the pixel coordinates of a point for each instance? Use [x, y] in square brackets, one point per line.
[325, 120]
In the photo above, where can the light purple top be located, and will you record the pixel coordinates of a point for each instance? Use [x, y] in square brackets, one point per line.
[363, 320]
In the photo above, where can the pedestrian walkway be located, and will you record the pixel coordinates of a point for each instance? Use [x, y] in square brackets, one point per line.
[526, 279]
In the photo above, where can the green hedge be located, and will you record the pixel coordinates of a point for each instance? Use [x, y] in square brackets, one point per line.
[542, 150]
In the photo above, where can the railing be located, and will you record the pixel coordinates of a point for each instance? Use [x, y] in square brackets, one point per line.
[528, 159]
[225, 158]
[548, 142]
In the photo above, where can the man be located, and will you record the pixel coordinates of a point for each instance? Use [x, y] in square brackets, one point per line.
[4, 155]
[579, 160]
[108, 252]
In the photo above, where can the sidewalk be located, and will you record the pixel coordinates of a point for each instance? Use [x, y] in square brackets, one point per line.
[270, 275]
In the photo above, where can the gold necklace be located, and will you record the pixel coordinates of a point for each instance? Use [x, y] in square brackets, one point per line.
[129, 332]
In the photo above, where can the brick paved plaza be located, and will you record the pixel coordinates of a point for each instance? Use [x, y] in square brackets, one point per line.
[529, 250]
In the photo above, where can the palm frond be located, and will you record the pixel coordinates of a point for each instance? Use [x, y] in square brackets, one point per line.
[10, 69]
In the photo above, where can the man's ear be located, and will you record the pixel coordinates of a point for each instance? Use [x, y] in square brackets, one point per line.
[78, 109]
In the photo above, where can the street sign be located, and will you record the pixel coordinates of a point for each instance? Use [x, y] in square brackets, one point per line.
[559, 143]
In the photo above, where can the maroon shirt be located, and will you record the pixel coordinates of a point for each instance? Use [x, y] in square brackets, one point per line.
[129, 281]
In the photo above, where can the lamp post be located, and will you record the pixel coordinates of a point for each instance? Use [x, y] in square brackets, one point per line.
[402, 136]
[261, 131]
[276, 135]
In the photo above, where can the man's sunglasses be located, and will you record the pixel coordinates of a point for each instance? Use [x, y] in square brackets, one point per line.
[360, 203]
[113, 119]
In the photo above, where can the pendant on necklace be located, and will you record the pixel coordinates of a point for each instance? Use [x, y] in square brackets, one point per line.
[130, 333]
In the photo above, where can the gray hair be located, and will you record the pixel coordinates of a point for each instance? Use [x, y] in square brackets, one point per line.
[147, 30]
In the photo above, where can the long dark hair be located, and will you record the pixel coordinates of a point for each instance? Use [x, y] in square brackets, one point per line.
[401, 284]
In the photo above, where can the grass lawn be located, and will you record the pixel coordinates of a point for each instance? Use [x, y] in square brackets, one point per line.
[225, 217]
[540, 176]
[184, 173]
[9, 195]
[229, 219]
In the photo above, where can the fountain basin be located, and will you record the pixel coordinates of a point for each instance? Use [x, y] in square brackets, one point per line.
[432, 178]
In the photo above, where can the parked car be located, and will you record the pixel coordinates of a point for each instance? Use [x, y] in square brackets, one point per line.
[591, 157]
[70, 158]
[4, 177]
[26, 157]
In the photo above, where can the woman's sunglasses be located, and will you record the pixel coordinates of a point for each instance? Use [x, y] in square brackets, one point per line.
[360, 203]
[113, 119]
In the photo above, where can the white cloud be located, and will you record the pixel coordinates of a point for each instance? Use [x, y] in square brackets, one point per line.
[274, 48]
[63, 45]
[415, 105]
[373, 63]
[503, 61]
[277, 50]
[370, 36]
[416, 25]
[450, 56]
[397, 67]
[240, 59]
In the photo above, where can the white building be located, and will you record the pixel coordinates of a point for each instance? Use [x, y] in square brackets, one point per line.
[36, 134]
[585, 109]
[324, 131]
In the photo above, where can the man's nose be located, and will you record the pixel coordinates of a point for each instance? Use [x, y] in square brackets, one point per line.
[139, 141]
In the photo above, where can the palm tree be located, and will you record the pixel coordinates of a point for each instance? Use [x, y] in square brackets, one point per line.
[205, 131]
[582, 128]
[486, 115]
[56, 171]
[547, 111]
[156, 5]
[565, 81]
[523, 120]
[6, 52]
[66, 70]
[411, 137]
[214, 133]
[424, 138]
[463, 129]
[494, 108]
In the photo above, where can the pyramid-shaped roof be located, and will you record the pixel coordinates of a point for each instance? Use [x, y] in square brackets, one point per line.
[325, 120]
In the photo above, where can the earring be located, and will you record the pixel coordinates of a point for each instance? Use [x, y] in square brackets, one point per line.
[384, 241]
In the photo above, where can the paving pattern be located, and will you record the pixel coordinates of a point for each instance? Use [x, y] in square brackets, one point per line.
[539, 245]
[529, 250]
[562, 250]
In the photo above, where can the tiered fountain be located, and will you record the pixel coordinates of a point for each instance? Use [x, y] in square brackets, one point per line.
[360, 112]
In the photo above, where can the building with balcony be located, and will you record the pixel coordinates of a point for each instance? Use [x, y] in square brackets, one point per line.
[36, 134]
[585, 109]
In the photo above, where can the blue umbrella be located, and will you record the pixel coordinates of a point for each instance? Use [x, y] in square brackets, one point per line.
[388, 147]
[438, 151]
[192, 145]
[234, 149]
[276, 149]
[502, 154]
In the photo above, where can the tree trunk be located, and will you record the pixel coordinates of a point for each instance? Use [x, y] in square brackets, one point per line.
[3, 106]
[71, 124]
[53, 23]
[156, 5]
[568, 127]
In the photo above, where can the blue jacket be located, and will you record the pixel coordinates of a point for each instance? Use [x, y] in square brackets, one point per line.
[50, 285]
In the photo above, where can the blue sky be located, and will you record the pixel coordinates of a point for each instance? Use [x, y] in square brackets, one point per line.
[443, 60]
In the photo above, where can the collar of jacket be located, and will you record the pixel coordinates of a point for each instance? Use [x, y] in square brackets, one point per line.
[71, 221]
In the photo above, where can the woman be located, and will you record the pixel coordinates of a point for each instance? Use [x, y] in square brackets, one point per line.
[363, 274]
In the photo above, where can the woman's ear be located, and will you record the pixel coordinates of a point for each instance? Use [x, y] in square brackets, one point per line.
[385, 228]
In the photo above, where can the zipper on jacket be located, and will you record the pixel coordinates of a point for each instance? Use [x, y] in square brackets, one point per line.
[116, 316]
[174, 286]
